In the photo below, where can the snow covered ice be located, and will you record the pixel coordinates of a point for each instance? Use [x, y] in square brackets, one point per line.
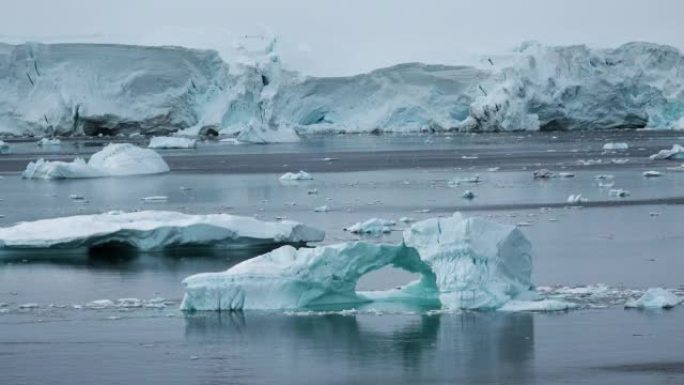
[172, 142]
[154, 230]
[463, 263]
[89, 89]
[116, 159]
[655, 298]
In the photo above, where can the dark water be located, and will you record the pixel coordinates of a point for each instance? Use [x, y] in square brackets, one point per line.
[582, 347]
[49, 336]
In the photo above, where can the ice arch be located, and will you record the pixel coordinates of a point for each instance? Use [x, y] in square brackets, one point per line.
[464, 264]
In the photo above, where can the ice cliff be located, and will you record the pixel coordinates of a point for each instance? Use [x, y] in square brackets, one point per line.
[87, 89]
[464, 264]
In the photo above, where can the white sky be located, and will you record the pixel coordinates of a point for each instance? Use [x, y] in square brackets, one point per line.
[349, 36]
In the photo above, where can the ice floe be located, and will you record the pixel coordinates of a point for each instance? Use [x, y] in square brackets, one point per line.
[372, 226]
[172, 142]
[154, 230]
[296, 176]
[120, 159]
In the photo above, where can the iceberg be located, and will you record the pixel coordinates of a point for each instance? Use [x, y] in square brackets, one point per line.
[374, 226]
[615, 146]
[463, 264]
[295, 176]
[48, 142]
[4, 147]
[676, 153]
[154, 230]
[116, 159]
[655, 298]
[171, 142]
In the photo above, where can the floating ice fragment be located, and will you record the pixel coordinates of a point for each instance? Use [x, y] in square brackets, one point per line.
[655, 298]
[5, 147]
[675, 153]
[172, 142]
[616, 146]
[372, 226]
[652, 174]
[322, 209]
[577, 198]
[540, 306]
[295, 176]
[565, 174]
[464, 180]
[47, 142]
[155, 199]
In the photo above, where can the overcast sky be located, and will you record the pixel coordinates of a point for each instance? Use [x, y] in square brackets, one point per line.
[349, 36]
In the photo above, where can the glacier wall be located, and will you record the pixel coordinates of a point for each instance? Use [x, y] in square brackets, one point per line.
[90, 89]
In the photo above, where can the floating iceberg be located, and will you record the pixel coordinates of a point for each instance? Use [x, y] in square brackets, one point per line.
[676, 153]
[172, 142]
[372, 226]
[4, 147]
[577, 198]
[615, 146]
[154, 230]
[464, 264]
[655, 298]
[295, 176]
[652, 174]
[118, 159]
[541, 305]
[47, 142]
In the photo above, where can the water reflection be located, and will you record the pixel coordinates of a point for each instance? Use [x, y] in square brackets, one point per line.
[396, 349]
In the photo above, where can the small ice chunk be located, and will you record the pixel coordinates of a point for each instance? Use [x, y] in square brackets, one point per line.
[619, 193]
[172, 142]
[322, 209]
[655, 298]
[542, 305]
[372, 226]
[100, 304]
[47, 142]
[616, 146]
[577, 198]
[652, 174]
[29, 305]
[406, 220]
[465, 180]
[155, 199]
[493, 169]
[4, 147]
[295, 176]
[542, 174]
[676, 153]
[565, 174]
[76, 197]
[468, 195]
